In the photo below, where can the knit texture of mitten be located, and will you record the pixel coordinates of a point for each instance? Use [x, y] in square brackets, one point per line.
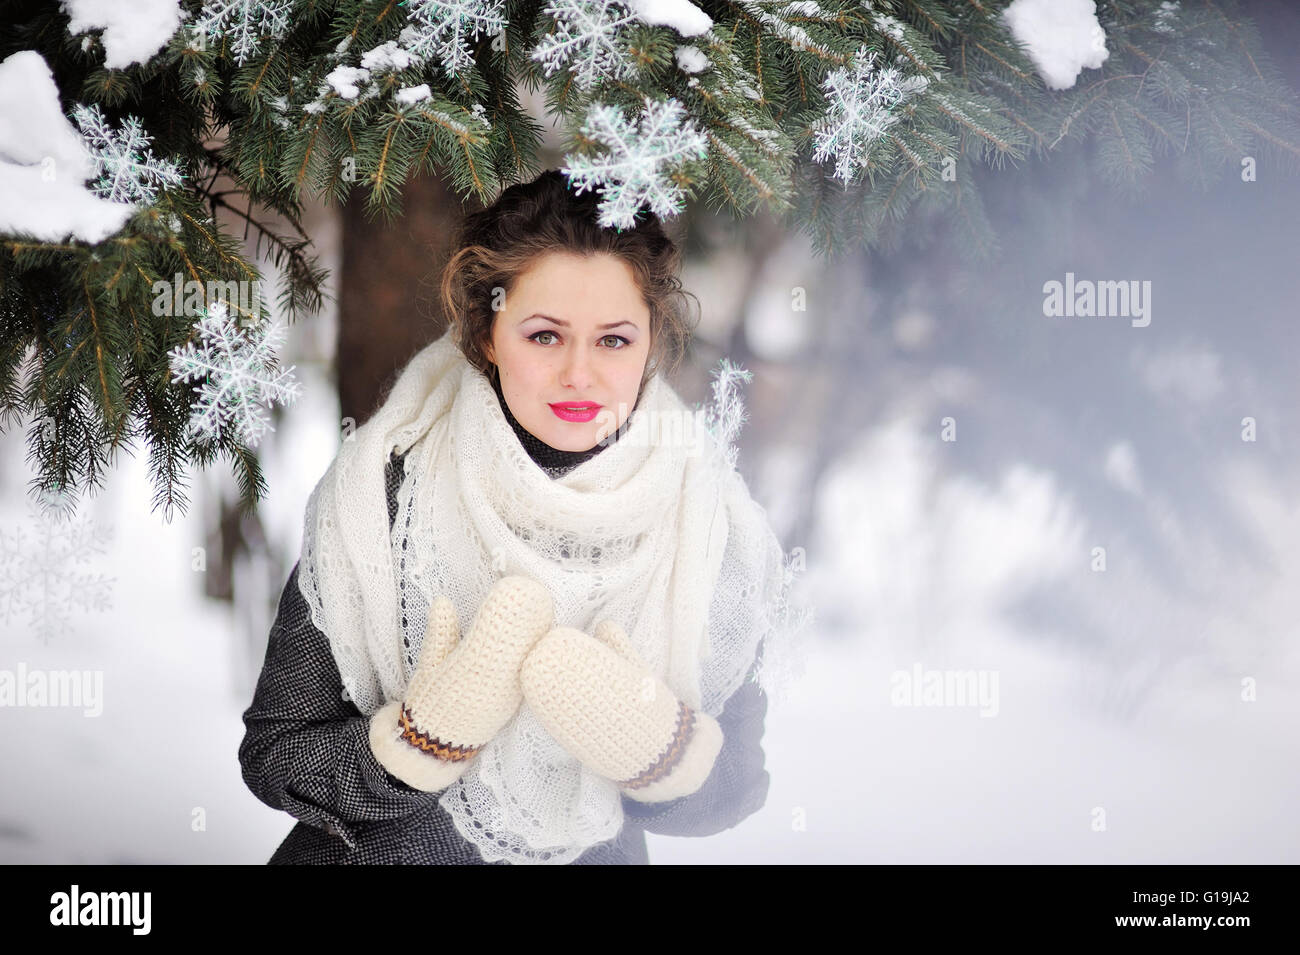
[597, 697]
[462, 691]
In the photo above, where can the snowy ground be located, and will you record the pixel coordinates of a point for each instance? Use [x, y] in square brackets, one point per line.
[1201, 777]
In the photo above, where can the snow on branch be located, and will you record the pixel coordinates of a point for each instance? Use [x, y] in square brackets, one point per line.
[1062, 37]
[44, 162]
[132, 32]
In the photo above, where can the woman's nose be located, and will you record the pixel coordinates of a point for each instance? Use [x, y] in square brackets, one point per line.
[577, 370]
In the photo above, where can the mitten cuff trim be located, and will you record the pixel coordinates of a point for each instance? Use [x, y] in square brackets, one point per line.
[431, 744]
[662, 766]
[685, 764]
[420, 770]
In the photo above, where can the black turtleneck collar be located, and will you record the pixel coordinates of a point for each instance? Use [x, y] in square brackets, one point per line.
[552, 460]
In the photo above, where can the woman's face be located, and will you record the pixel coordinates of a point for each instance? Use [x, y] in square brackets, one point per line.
[574, 331]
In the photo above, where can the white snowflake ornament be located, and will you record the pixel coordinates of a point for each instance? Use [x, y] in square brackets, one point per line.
[238, 370]
[640, 160]
[587, 39]
[245, 22]
[862, 103]
[39, 575]
[444, 30]
[124, 160]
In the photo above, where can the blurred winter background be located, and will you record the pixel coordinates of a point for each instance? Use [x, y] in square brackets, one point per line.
[948, 458]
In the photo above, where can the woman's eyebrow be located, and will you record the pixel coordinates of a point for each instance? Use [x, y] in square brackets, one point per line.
[564, 324]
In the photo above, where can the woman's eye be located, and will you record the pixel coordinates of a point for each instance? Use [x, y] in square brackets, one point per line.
[618, 341]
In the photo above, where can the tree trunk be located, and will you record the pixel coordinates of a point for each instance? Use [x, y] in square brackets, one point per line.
[388, 298]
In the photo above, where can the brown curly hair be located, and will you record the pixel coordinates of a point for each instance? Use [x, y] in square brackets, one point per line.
[496, 245]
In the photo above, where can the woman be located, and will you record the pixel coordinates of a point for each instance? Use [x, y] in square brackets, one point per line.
[549, 493]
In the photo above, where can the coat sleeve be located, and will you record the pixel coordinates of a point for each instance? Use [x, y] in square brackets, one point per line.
[306, 747]
[735, 789]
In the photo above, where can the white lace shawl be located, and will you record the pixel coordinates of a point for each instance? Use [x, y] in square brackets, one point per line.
[656, 532]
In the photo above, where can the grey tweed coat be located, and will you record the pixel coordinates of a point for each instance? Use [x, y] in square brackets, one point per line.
[306, 751]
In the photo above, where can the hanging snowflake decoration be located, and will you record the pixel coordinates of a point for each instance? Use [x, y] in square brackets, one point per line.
[444, 30]
[587, 39]
[862, 103]
[639, 164]
[238, 373]
[124, 161]
[38, 572]
[245, 22]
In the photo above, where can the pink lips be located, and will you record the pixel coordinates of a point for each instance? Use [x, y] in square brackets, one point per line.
[576, 411]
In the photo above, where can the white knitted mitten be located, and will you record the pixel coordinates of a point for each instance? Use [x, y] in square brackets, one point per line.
[462, 692]
[600, 701]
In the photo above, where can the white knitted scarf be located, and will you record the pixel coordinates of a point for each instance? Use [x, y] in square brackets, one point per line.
[657, 532]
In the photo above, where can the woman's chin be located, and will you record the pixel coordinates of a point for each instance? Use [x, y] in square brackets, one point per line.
[573, 439]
